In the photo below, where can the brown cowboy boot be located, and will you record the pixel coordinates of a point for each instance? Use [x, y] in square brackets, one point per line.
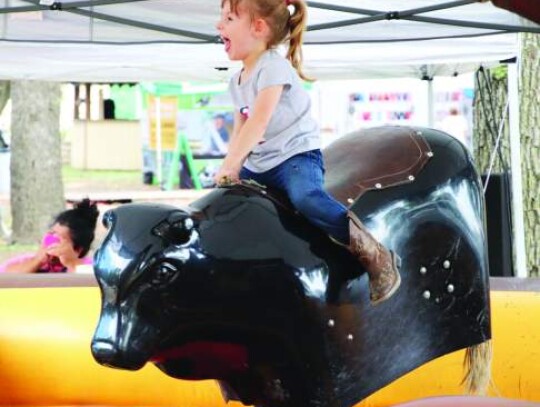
[381, 264]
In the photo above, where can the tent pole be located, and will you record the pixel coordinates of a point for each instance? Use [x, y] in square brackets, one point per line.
[431, 104]
[515, 164]
[158, 141]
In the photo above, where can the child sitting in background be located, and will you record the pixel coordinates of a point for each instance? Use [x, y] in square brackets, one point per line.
[65, 245]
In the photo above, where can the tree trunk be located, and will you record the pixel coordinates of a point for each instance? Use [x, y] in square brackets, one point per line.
[495, 81]
[37, 191]
[4, 94]
[530, 147]
[489, 104]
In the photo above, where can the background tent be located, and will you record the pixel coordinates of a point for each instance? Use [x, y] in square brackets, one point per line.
[171, 40]
[134, 40]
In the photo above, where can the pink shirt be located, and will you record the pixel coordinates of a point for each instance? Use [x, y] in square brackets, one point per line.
[26, 256]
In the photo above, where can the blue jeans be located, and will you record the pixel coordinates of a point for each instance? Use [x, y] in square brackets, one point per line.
[301, 178]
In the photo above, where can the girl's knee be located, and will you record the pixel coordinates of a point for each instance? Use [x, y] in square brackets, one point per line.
[305, 202]
[316, 204]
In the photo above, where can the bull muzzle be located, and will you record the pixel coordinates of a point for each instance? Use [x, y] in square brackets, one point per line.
[107, 354]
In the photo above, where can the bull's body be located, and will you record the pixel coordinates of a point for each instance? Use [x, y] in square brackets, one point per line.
[239, 288]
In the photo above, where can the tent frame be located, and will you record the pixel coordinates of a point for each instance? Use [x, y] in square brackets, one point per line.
[78, 8]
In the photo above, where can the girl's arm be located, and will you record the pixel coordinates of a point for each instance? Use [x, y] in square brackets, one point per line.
[26, 264]
[239, 121]
[247, 134]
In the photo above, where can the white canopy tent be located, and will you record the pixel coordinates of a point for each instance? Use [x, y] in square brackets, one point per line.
[169, 40]
[138, 40]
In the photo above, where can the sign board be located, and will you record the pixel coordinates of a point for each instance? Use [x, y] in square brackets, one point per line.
[163, 109]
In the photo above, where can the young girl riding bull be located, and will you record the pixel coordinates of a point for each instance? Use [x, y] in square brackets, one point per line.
[275, 140]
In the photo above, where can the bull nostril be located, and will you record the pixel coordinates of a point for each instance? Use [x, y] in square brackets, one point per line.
[104, 352]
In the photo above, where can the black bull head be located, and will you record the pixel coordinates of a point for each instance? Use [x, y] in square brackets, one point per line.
[239, 288]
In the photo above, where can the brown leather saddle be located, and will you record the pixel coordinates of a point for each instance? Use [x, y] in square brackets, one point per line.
[374, 158]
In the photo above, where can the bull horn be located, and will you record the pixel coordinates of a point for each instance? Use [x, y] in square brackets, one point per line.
[477, 364]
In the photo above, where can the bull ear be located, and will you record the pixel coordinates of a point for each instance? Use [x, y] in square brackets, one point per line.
[179, 232]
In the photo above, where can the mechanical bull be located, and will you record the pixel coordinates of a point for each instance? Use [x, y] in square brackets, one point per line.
[238, 287]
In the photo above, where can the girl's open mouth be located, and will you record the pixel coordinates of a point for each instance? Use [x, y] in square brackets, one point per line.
[227, 44]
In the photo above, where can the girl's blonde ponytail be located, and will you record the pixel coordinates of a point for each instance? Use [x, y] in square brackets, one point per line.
[297, 27]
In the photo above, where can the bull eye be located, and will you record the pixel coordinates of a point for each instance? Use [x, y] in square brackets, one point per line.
[164, 273]
[179, 233]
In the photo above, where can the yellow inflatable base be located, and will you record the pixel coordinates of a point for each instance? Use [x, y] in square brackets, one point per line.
[45, 358]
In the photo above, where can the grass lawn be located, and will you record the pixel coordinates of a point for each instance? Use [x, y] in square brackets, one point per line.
[72, 174]
[77, 180]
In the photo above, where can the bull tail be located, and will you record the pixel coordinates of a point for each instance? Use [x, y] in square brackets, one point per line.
[477, 365]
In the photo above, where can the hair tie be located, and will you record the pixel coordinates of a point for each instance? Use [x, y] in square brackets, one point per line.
[290, 6]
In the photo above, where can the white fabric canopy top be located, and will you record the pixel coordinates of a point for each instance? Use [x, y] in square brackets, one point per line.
[149, 40]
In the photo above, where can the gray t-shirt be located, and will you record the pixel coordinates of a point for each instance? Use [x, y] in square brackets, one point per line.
[291, 130]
